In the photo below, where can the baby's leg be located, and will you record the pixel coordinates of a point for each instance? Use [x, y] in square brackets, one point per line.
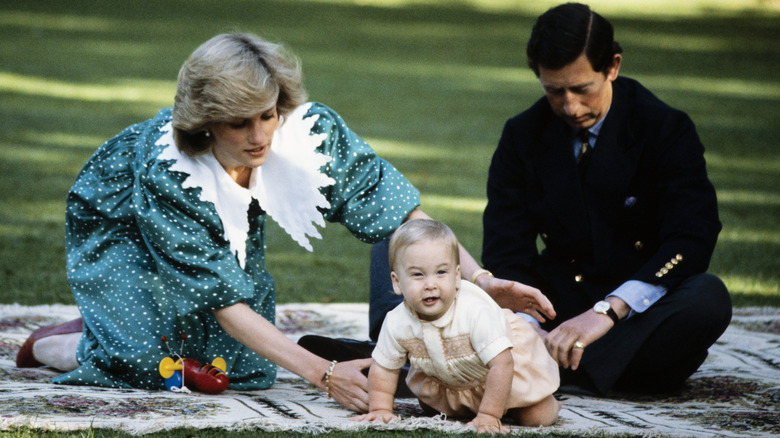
[543, 413]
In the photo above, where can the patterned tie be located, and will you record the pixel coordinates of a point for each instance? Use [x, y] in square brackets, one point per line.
[585, 152]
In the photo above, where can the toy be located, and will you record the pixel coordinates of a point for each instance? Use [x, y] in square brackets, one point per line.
[206, 378]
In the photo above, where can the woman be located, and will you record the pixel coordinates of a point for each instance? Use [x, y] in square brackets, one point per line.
[165, 226]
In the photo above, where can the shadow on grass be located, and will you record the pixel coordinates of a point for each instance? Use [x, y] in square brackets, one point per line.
[432, 85]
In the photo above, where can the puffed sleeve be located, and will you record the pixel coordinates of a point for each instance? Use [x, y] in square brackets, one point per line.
[388, 352]
[488, 332]
[370, 196]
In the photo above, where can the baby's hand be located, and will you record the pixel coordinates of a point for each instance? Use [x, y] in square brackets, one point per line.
[486, 423]
[382, 415]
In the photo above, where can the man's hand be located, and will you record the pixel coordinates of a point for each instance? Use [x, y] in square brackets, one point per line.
[567, 342]
[517, 297]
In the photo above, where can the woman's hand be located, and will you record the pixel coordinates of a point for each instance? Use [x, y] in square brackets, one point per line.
[348, 386]
[486, 423]
[517, 297]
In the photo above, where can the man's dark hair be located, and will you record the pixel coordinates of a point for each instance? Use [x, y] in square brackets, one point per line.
[564, 32]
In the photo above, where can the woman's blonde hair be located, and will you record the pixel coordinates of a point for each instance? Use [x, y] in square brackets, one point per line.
[232, 76]
[416, 230]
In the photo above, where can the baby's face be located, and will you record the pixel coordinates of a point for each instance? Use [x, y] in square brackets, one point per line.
[428, 277]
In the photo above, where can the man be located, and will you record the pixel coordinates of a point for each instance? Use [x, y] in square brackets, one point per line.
[614, 183]
[626, 244]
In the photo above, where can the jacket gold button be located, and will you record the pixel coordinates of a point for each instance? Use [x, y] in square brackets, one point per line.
[638, 245]
[578, 278]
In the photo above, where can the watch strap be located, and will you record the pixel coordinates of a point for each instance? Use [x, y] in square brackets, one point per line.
[611, 313]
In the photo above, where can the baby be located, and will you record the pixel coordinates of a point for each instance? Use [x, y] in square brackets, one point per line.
[468, 356]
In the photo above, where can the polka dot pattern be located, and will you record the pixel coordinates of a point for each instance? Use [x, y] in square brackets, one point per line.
[147, 257]
[370, 197]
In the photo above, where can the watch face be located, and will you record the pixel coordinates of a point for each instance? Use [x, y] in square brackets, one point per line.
[602, 307]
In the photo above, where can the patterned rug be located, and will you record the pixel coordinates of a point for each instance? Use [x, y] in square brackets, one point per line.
[736, 393]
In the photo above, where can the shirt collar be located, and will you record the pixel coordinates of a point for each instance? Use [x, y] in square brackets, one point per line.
[595, 129]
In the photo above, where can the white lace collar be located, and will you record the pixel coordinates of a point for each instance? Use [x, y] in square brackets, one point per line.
[286, 185]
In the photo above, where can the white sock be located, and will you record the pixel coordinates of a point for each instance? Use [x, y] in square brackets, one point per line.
[58, 351]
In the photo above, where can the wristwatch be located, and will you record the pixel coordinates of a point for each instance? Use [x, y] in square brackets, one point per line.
[603, 307]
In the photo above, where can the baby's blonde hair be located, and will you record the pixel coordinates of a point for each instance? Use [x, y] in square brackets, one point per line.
[416, 230]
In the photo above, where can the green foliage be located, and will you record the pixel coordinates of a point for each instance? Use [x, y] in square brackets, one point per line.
[428, 84]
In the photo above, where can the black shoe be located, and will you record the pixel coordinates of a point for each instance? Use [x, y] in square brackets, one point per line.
[576, 383]
[343, 349]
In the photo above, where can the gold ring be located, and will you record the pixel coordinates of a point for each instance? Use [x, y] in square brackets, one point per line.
[579, 345]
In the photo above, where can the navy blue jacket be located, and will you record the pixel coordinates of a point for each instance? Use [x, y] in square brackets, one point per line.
[646, 210]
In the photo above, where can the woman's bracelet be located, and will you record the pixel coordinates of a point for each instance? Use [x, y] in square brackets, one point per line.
[479, 272]
[326, 376]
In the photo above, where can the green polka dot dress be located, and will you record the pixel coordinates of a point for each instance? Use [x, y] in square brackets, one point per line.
[156, 240]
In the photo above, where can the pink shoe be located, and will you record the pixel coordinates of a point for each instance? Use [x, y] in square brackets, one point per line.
[25, 359]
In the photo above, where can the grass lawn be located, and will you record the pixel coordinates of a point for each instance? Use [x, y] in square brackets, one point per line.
[429, 84]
